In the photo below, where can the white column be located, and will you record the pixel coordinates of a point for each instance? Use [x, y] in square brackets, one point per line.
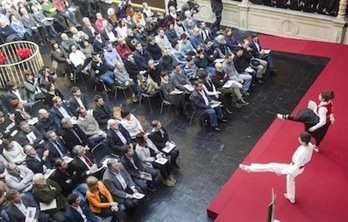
[342, 9]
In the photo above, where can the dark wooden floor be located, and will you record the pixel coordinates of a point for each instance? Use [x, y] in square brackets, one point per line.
[207, 158]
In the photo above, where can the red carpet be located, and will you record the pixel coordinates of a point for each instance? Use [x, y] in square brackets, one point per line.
[321, 193]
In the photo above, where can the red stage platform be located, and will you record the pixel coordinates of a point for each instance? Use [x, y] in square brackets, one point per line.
[321, 193]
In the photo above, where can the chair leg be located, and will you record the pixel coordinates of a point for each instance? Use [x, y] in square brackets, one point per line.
[161, 108]
[191, 118]
[124, 93]
[115, 92]
[148, 99]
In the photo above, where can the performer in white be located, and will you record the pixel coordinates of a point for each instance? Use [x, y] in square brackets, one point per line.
[300, 158]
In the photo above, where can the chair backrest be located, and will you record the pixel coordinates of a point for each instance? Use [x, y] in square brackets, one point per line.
[100, 152]
[35, 107]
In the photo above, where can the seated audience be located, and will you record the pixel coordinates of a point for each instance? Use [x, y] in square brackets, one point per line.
[120, 184]
[153, 48]
[111, 55]
[258, 52]
[137, 171]
[51, 92]
[160, 138]
[47, 122]
[89, 126]
[231, 40]
[46, 191]
[72, 134]
[78, 210]
[141, 56]
[148, 154]
[13, 152]
[117, 136]
[147, 85]
[36, 163]
[166, 61]
[60, 59]
[56, 147]
[203, 106]
[61, 110]
[101, 70]
[122, 47]
[190, 69]
[20, 114]
[154, 71]
[101, 201]
[130, 123]
[19, 178]
[78, 99]
[101, 112]
[32, 86]
[29, 135]
[99, 43]
[179, 79]
[69, 179]
[19, 204]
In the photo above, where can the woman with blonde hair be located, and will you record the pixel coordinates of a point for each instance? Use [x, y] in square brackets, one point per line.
[100, 200]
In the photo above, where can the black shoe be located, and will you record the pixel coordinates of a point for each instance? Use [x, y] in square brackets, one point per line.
[217, 129]
[228, 111]
[151, 188]
[175, 166]
[259, 81]
[237, 105]
[273, 73]
[243, 103]
[222, 120]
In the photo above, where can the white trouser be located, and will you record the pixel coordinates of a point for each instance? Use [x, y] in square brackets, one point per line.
[279, 168]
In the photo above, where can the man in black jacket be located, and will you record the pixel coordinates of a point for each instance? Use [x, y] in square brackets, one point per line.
[135, 168]
[69, 178]
[73, 135]
[101, 112]
[160, 138]
[117, 136]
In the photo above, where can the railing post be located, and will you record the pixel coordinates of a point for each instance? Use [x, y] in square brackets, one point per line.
[342, 9]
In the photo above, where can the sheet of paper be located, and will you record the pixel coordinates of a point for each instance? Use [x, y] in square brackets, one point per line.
[161, 161]
[168, 148]
[215, 104]
[312, 105]
[138, 196]
[265, 51]
[219, 60]
[48, 206]
[32, 121]
[176, 92]
[30, 217]
[189, 87]
[146, 176]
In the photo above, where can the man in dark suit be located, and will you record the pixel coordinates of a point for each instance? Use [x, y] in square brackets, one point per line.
[160, 138]
[120, 184]
[29, 135]
[72, 134]
[69, 178]
[56, 146]
[37, 164]
[78, 211]
[46, 122]
[22, 202]
[77, 100]
[141, 56]
[101, 112]
[203, 105]
[135, 168]
[130, 65]
[259, 53]
[84, 163]
[117, 136]
[88, 28]
[60, 109]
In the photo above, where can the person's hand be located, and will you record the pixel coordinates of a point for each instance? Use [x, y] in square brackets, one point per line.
[332, 118]
[134, 190]
[94, 168]
[129, 196]
[311, 129]
[158, 156]
[114, 204]
[167, 143]
[41, 142]
[45, 154]
[114, 208]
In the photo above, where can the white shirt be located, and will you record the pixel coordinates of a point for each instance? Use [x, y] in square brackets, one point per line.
[121, 180]
[79, 101]
[300, 158]
[132, 125]
[18, 95]
[204, 97]
[77, 58]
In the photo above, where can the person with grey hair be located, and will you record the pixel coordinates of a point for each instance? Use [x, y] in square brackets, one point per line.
[19, 177]
[117, 136]
[45, 191]
[120, 184]
[38, 163]
[85, 163]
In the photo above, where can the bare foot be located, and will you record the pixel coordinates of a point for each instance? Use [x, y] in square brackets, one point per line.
[292, 200]
[244, 167]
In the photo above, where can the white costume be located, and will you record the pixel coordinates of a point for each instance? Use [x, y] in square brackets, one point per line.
[300, 158]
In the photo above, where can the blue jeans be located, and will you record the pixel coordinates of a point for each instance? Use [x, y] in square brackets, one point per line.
[80, 191]
[4, 215]
[108, 78]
